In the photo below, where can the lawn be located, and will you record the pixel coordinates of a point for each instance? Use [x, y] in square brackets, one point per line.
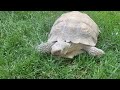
[21, 31]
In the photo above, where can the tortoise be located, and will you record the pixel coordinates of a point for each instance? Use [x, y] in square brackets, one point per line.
[71, 34]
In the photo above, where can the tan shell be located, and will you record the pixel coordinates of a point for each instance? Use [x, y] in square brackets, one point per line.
[75, 27]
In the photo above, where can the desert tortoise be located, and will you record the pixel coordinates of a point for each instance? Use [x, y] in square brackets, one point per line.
[71, 34]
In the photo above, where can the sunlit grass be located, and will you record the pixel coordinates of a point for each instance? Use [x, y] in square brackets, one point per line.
[21, 31]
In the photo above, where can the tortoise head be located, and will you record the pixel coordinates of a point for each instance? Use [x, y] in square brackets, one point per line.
[60, 48]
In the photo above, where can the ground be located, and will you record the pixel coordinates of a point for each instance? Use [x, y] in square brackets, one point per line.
[21, 31]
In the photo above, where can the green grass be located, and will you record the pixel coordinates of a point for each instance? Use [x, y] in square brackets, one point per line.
[21, 31]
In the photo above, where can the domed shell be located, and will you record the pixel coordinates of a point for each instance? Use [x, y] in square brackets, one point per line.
[75, 27]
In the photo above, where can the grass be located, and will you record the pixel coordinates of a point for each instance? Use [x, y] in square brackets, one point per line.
[20, 31]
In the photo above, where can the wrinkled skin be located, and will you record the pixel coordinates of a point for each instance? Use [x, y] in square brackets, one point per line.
[68, 50]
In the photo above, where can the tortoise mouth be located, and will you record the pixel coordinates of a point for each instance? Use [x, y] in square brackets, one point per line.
[57, 53]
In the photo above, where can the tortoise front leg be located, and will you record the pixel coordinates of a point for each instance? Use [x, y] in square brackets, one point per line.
[45, 47]
[94, 51]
